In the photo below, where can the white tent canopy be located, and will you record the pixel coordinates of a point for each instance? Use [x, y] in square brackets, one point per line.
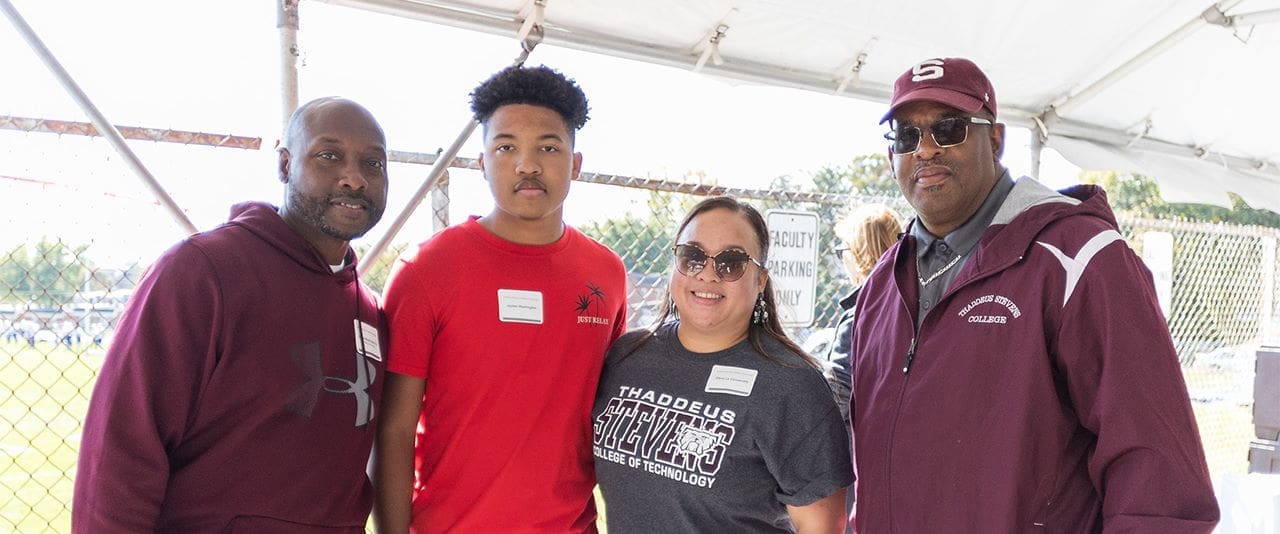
[1180, 90]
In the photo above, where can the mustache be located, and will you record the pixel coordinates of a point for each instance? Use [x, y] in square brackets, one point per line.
[359, 199]
[935, 162]
[530, 182]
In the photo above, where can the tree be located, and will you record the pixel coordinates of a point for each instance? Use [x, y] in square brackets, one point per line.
[865, 176]
[1210, 302]
[868, 175]
[106, 280]
[643, 241]
[376, 277]
[47, 274]
[1139, 195]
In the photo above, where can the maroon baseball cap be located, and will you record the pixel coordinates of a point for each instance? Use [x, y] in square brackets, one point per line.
[953, 81]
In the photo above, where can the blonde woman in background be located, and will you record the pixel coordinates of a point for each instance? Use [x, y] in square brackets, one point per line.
[865, 233]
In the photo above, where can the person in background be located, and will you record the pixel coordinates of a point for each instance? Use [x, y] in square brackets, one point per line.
[241, 391]
[1011, 368]
[713, 420]
[499, 327]
[864, 233]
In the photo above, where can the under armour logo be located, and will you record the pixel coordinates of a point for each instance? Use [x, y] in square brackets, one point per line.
[302, 401]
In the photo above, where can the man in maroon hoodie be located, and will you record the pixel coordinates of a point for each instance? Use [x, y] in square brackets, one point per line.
[1011, 369]
[239, 392]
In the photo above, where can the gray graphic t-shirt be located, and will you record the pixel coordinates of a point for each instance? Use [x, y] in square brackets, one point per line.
[717, 442]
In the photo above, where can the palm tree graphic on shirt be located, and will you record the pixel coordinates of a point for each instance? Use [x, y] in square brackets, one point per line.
[594, 295]
[597, 294]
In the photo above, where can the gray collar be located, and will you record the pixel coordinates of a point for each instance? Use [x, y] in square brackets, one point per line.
[1026, 194]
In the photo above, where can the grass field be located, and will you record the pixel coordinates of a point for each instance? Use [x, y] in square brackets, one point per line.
[1226, 426]
[44, 391]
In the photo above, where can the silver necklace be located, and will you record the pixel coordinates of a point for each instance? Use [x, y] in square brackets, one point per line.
[925, 281]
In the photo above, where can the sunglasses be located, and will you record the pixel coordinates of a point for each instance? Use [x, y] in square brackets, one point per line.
[946, 133]
[840, 252]
[730, 264]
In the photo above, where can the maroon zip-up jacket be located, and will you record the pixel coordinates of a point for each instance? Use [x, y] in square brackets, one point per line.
[1041, 394]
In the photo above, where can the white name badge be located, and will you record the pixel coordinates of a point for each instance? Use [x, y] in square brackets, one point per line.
[367, 340]
[519, 306]
[732, 380]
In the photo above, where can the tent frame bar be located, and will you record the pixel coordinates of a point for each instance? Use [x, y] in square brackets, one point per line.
[465, 17]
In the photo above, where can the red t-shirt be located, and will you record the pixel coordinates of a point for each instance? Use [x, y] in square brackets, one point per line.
[510, 339]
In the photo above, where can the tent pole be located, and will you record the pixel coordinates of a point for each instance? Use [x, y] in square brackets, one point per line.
[1037, 146]
[1268, 289]
[287, 22]
[100, 122]
[1253, 19]
[1211, 14]
[439, 169]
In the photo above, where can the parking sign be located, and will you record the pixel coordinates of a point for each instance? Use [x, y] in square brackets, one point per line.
[793, 264]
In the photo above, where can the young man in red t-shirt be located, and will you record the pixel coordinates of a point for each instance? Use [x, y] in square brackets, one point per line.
[499, 329]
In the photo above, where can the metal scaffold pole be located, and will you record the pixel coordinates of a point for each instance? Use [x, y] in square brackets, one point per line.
[440, 167]
[100, 122]
[287, 23]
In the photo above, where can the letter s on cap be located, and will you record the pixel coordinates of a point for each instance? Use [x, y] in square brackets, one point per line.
[929, 69]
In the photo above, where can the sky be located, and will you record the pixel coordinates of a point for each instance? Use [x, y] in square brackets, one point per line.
[213, 67]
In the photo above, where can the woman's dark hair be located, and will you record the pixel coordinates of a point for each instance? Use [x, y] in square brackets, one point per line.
[773, 326]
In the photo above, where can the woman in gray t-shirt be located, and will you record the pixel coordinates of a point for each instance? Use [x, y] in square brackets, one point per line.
[715, 421]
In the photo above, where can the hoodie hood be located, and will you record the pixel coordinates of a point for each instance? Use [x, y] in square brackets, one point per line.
[1031, 208]
[263, 220]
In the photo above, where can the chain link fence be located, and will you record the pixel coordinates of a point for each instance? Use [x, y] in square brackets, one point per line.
[57, 313]
[58, 309]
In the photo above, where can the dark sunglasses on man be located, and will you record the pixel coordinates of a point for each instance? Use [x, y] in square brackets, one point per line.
[730, 264]
[946, 133]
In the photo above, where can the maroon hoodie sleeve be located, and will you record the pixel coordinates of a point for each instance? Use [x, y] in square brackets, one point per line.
[163, 350]
[1126, 385]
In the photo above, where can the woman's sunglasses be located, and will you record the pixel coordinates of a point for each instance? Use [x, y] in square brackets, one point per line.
[730, 264]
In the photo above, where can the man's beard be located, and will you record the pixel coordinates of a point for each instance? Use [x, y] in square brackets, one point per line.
[313, 211]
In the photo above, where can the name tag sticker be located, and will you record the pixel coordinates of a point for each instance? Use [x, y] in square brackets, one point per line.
[732, 380]
[367, 340]
[519, 306]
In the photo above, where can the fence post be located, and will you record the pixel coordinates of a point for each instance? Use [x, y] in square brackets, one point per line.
[440, 204]
[1268, 291]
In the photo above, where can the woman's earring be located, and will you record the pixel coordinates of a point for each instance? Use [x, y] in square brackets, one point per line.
[760, 315]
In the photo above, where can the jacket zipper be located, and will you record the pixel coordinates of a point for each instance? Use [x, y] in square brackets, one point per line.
[893, 429]
[911, 355]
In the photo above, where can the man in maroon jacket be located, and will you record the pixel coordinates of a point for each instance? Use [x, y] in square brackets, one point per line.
[1011, 369]
[240, 392]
